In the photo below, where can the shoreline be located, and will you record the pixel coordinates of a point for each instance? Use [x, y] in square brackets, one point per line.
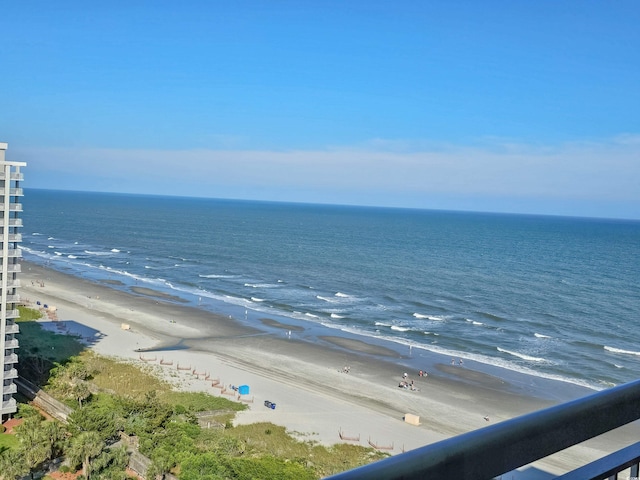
[302, 372]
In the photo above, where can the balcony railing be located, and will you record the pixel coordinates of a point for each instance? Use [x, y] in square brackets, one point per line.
[501, 448]
[12, 328]
[9, 389]
[12, 192]
[11, 373]
[9, 406]
[15, 313]
[13, 343]
[13, 358]
[13, 207]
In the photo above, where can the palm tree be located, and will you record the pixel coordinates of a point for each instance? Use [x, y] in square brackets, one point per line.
[12, 465]
[84, 448]
[33, 443]
[56, 437]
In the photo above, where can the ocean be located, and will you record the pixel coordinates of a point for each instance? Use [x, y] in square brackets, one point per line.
[547, 297]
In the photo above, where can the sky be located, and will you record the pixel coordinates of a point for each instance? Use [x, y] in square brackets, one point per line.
[500, 106]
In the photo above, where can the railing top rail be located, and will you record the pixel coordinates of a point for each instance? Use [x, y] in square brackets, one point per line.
[503, 447]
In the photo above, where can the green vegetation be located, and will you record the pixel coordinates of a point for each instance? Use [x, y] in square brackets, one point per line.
[112, 399]
[7, 441]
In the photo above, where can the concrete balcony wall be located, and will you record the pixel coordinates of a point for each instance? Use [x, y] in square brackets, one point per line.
[12, 328]
[9, 389]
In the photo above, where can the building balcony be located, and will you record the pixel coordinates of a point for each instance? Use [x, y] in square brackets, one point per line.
[12, 328]
[15, 237]
[10, 359]
[13, 298]
[14, 192]
[13, 267]
[13, 207]
[12, 283]
[9, 389]
[17, 176]
[15, 222]
[9, 406]
[496, 451]
[14, 252]
[13, 343]
[11, 314]
[11, 373]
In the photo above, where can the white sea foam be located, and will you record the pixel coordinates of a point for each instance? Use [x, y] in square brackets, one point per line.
[72, 256]
[529, 358]
[540, 335]
[319, 297]
[619, 350]
[90, 252]
[256, 299]
[420, 315]
[335, 315]
[399, 328]
[382, 324]
[343, 295]
[115, 250]
[216, 276]
[473, 322]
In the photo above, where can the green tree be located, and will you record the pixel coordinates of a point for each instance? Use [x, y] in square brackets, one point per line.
[111, 463]
[85, 447]
[12, 465]
[33, 443]
[56, 438]
[80, 391]
[102, 415]
[161, 463]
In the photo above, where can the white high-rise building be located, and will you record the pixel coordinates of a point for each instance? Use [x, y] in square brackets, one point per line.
[10, 222]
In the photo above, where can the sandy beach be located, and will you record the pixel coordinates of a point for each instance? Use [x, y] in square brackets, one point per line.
[316, 398]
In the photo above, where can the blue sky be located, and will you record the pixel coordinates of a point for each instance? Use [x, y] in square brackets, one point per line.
[510, 106]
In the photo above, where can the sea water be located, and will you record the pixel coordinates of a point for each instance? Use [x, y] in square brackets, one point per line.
[553, 297]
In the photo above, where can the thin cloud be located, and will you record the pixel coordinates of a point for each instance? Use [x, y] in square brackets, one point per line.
[607, 170]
